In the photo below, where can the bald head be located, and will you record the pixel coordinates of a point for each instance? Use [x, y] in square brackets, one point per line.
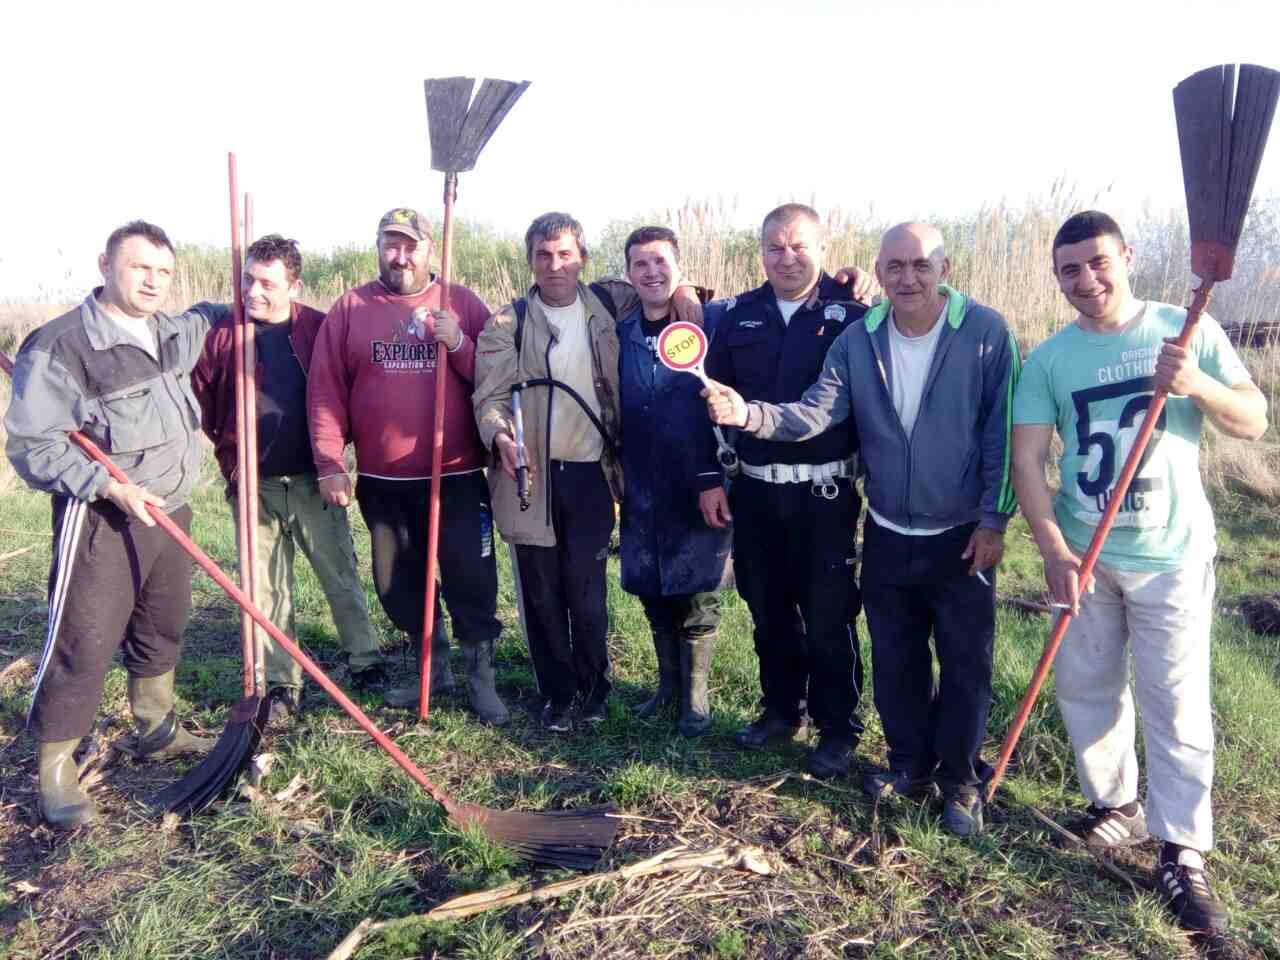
[911, 263]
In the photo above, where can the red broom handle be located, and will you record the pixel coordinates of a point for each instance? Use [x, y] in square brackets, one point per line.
[1198, 303]
[203, 561]
[244, 541]
[250, 487]
[437, 456]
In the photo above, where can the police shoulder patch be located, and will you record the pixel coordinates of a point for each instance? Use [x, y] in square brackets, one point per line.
[834, 312]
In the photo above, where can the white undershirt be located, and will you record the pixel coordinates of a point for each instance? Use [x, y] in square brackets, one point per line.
[789, 307]
[910, 359]
[137, 329]
[573, 436]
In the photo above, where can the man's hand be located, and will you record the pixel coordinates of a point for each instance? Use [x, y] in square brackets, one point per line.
[132, 499]
[725, 405]
[336, 490]
[865, 286]
[715, 508]
[507, 454]
[1062, 576]
[1177, 371]
[444, 327]
[686, 306]
[985, 548]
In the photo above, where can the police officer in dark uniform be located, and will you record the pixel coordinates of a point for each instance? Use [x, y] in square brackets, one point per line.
[794, 505]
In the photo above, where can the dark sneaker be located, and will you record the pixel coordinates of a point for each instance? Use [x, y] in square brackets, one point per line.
[595, 711]
[1109, 828]
[1181, 878]
[369, 680]
[896, 783]
[831, 757]
[962, 814]
[285, 702]
[556, 719]
[770, 726]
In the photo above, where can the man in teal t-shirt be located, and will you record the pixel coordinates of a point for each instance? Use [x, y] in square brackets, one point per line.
[1151, 593]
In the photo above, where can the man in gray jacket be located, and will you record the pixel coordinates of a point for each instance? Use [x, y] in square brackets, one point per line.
[927, 377]
[116, 369]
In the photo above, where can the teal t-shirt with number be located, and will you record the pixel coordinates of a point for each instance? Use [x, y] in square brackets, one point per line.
[1096, 388]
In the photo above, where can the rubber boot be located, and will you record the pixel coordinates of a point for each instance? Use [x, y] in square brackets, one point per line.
[62, 802]
[160, 736]
[480, 690]
[695, 667]
[666, 646]
[441, 674]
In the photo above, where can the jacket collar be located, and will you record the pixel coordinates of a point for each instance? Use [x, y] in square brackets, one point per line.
[103, 332]
[956, 303]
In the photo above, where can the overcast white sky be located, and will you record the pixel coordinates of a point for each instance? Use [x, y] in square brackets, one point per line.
[118, 110]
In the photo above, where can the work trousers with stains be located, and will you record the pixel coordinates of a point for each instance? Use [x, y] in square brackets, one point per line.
[292, 516]
[1161, 622]
[914, 588]
[794, 549]
[114, 584]
[565, 589]
[395, 512]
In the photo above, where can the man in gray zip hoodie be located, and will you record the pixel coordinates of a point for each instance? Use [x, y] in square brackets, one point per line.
[116, 369]
[927, 378]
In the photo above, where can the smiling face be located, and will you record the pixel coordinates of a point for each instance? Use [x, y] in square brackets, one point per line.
[267, 290]
[556, 262]
[404, 264]
[792, 257]
[653, 271]
[136, 279]
[910, 265]
[1094, 276]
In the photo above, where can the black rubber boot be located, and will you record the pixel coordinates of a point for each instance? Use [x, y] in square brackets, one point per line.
[666, 646]
[480, 683]
[695, 668]
[441, 674]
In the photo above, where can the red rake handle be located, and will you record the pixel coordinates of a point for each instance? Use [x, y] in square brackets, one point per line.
[437, 457]
[235, 593]
[245, 540]
[1100, 533]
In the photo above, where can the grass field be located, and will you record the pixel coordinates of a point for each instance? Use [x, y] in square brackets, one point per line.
[852, 878]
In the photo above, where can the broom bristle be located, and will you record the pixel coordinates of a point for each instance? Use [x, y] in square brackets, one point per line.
[563, 838]
[1223, 117]
[211, 777]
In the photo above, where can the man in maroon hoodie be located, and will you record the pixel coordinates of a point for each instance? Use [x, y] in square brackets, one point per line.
[291, 512]
[372, 383]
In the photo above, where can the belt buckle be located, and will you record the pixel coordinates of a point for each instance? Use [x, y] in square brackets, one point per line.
[827, 489]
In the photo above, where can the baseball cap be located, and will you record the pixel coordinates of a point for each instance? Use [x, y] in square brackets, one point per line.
[404, 220]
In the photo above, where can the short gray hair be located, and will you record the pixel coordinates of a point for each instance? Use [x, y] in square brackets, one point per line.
[548, 227]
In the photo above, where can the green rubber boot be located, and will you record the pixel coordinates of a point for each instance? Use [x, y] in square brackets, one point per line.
[62, 803]
[160, 736]
[666, 646]
[695, 668]
[480, 689]
[441, 675]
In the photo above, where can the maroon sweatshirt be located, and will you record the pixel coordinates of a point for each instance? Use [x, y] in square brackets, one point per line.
[372, 382]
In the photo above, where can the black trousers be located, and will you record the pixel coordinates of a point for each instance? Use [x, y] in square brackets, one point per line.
[914, 587]
[565, 605]
[395, 512]
[114, 584]
[793, 549]
[682, 614]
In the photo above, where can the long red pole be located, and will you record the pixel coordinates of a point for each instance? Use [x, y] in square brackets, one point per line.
[249, 488]
[1198, 304]
[244, 539]
[203, 561]
[437, 455]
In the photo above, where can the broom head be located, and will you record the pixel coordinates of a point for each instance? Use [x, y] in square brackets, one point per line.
[1224, 114]
[576, 839]
[460, 127]
[213, 776]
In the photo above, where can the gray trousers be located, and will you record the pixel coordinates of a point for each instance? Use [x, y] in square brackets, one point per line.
[292, 516]
[1163, 621]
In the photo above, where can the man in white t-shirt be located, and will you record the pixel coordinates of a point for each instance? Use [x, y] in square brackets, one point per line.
[1151, 593]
